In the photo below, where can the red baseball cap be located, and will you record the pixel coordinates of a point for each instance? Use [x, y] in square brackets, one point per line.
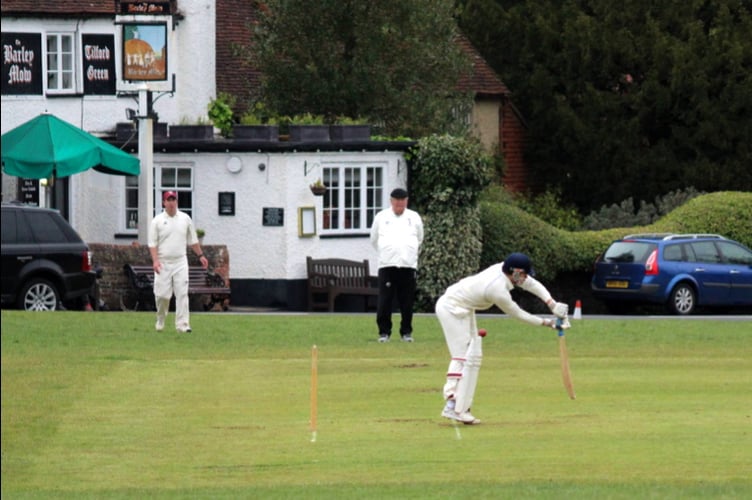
[169, 194]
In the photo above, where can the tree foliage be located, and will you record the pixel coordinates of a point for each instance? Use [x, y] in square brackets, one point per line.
[625, 99]
[393, 61]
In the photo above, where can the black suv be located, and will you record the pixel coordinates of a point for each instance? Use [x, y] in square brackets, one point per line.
[45, 262]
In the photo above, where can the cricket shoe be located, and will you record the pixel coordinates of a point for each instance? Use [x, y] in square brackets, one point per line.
[383, 339]
[159, 326]
[186, 329]
[465, 417]
[407, 338]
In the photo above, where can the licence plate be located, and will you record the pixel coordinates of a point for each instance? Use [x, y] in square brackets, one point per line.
[617, 284]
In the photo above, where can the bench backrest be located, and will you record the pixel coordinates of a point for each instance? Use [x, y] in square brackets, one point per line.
[143, 277]
[338, 272]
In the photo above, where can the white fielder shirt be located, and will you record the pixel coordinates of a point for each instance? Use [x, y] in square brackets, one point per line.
[171, 235]
[397, 238]
[492, 287]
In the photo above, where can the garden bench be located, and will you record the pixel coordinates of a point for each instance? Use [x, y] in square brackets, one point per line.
[334, 277]
[200, 282]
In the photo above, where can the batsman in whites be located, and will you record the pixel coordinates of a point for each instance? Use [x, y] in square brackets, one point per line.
[456, 313]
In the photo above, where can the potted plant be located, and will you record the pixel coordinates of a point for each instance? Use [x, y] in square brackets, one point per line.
[200, 129]
[308, 128]
[318, 188]
[257, 125]
[220, 113]
[200, 233]
[350, 130]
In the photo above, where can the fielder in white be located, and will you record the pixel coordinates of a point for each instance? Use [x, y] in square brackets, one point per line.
[169, 235]
[456, 313]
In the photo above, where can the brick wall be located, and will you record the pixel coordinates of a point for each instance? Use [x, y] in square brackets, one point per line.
[112, 258]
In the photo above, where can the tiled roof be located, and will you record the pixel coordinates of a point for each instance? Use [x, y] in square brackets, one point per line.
[483, 80]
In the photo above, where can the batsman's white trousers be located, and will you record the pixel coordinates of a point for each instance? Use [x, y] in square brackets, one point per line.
[459, 328]
[173, 280]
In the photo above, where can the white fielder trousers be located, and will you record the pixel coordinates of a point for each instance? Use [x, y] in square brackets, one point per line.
[459, 328]
[173, 280]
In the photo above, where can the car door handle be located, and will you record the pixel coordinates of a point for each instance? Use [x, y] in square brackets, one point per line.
[25, 258]
[734, 271]
[699, 269]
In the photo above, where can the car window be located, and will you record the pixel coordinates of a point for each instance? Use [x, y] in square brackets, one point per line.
[15, 228]
[45, 228]
[672, 253]
[9, 227]
[734, 254]
[629, 251]
[706, 251]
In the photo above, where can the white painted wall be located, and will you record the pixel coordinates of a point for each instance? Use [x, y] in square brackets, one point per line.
[256, 251]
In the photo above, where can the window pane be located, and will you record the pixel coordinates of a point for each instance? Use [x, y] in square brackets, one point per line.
[184, 178]
[167, 178]
[51, 62]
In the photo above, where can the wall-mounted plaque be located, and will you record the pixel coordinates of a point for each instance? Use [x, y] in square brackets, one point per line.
[227, 203]
[273, 216]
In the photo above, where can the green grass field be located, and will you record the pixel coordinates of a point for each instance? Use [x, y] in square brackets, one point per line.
[99, 405]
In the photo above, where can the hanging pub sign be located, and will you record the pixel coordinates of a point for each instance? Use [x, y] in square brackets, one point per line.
[99, 64]
[22, 64]
[138, 7]
[145, 51]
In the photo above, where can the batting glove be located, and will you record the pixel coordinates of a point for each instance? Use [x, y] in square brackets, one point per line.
[560, 309]
[551, 323]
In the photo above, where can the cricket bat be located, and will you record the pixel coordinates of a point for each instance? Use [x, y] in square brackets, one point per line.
[566, 375]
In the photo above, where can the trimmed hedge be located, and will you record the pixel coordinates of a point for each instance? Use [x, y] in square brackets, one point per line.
[553, 251]
[563, 260]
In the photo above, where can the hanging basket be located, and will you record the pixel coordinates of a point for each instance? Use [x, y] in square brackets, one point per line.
[318, 190]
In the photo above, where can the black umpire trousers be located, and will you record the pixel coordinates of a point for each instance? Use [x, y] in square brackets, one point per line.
[399, 283]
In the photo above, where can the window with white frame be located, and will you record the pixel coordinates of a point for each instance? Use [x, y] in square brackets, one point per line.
[60, 68]
[178, 179]
[131, 203]
[353, 197]
[167, 178]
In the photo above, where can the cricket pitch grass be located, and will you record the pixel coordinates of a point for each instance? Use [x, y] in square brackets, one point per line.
[99, 405]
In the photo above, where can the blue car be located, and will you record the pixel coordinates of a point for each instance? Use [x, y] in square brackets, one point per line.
[680, 271]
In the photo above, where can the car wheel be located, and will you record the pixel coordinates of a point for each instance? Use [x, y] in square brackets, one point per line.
[39, 295]
[682, 300]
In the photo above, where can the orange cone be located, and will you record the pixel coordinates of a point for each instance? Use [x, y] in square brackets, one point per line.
[577, 310]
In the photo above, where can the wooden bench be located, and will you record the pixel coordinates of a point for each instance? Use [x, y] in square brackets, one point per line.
[200, 282]
[334, 277]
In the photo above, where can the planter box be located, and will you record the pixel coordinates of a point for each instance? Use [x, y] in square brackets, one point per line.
[350, 133]
[266, 133]
[129, 130]
[309, 133]
[191, 132]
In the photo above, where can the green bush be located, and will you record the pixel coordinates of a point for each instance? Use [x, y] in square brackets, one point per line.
[449, 173]
[221, 114]
[728, 213]
[623, 214]
[507, 228]
[547, 206]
